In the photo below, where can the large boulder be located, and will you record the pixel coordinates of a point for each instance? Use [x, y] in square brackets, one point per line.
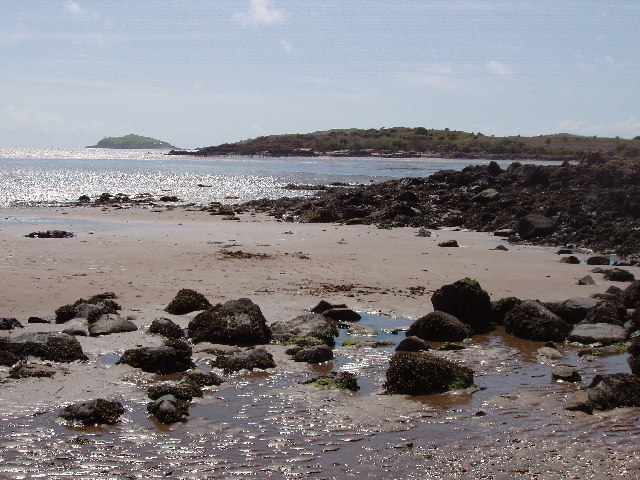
[533, 321]
[308, 325]
[499, 308]
[257, 358]
[416, 373]
[166, 328]
[607, 312]
[439, 327]
[614, 390]
[174, 356]
[465, 300]
[93, 412]
[111, 323]
[53, 346]
[631, 295]
[604, 333]
[535, 225]
[187, 301]
[573, 310]
[238, 322]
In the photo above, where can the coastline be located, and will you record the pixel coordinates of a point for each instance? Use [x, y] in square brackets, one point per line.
[269, 424]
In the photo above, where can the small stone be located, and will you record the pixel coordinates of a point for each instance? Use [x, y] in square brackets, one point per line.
[587, 280]
[549, 352]
[449, 243]
[565, 373]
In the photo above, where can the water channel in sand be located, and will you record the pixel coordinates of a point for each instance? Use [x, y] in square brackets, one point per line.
[268, 425]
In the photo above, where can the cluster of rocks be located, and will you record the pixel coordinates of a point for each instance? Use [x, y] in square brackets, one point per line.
[50, 234]
[595, 203]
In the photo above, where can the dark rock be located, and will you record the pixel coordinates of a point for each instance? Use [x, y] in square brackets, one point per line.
[323, 306]
[634, 364]
[342, 315]
[573, 310]
[579, 402]
[9, 323]
[166, 328]
[187, 301]
[76, 332]
[50, 234]
[535, 225]
[448, 346]
[614, 390]
[238, 322]
[441, 327]
[92, 311]
[598, 260]
[467, 301]
[506, 232]
[247, 360]
[533, 321]
[310, 325]
[169, 198]
[571, 259]
[94, 412]
[412, 344]
[174, 356]
[423, 232]
[169, 409]
[180, 390]
[24, 370]
[416, 373]
[37, 320]
[7, 356]
[202, 379]
[53, 346]
[565, 373]
[587, 280]
[449, 243]
[316, 354]
[631, 295]
[565, 251]
[607, 312]
[619, 275]
[65, 313]
[501, 247]
[602, 351]
[499, 308]
[603, 333]
[634, 321]
[108, 324]
[342, 380]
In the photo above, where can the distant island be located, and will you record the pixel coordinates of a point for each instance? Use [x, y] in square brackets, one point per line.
[406, 142]
[132, 141]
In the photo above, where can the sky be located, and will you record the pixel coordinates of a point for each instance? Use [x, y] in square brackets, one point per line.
[203, 72]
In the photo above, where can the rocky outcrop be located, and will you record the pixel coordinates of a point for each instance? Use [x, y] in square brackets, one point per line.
[533, 321]
[94, 412]
[187, 301]
[467, 301]
[440, 327]
[174, 356]
[54, 346]
[534, 225]
[238, 322]
[415, 373]
[607, 312]
[309, 325]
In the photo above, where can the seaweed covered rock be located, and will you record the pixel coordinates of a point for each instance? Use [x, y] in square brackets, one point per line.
[174, 356]
[168, 409]
[37, 370]
[180, 390]
[314, 354]
[341, 380]
[342, 315]
[9, 323]
[201, 379]
[53, 346]
[613, 313]
[619, 275]
[238, 322]
[415, 373]
[440, 327]
[499, 308]
[598, 260]
[91, 309]
[107, 324]
[93, 412]
[467, 301]
[614, 390]
[257, 358]
[309, 325]
[412, 344]
[533, 321]
[166, 328]
[631, 295]
[7, 355]
[187, 301]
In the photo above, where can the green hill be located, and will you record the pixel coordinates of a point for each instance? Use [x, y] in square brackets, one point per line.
[132, 141]
[420, 141]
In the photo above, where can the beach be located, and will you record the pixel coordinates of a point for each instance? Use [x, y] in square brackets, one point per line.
[268, 424]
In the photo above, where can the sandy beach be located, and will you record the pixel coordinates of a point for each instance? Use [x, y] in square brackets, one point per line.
[145, 255]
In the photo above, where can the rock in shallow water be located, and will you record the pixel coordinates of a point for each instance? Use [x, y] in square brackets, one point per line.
[465, 300]
[174, 356]
[597, 332]
[310, 325]
[440, 327]
[247, 360]
[94, 412]
[532, 320]
[168, 409]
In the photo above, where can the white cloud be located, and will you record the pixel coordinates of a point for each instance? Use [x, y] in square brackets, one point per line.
[77, 10]
[497, 68]
[260, 13]
[286, 45]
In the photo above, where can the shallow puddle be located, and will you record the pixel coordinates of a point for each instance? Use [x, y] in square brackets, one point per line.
[269, 425]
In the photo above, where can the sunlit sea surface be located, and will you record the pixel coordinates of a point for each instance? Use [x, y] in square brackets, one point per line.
[37, 175]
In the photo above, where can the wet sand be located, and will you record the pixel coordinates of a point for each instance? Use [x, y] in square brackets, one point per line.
[267, 425]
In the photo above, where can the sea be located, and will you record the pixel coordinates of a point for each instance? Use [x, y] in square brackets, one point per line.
[33, 176]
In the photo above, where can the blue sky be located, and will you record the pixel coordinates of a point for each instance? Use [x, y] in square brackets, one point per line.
[198, 73]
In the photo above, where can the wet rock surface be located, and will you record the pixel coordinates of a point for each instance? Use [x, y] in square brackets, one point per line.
[311, 325]
[256, 358]
[174, 356]
[614, 390]
[441, 327]
[168, 409]
[94, 412]
[533, 321]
